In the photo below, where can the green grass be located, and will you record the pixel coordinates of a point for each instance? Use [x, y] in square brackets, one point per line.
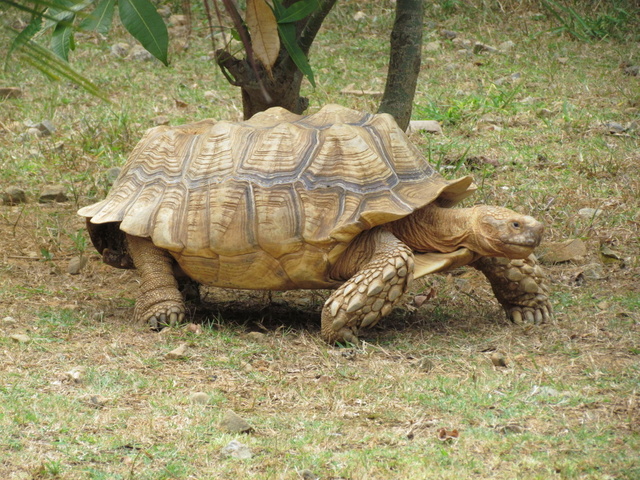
[566, 405]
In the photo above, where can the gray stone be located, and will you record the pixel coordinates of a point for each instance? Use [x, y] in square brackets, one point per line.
[448, 34]
[20, 338]
[558, 252]
[140, 54]
[483, 48]
[234, 423]
[120, 49]
[236, 449]
[53, 193]
[200, 398]
[589, 213]
[46, 128]
[506, 46]
[431, 126]
[76, 264]
[14, 196]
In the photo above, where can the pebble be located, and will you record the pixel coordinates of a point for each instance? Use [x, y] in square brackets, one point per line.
[14, 196]
[430, 126]
[309, 475]
[589, 212]
[53, 193]
[76, 264]
[448, 34]
[139, 53]
[20, 338]
[234, 423]
[120, 49]
[177, 353]
[506, 46]
[9, 321]
[236, 449]
[161, 120]
[559, 252]
[479, 47]
[200, 398]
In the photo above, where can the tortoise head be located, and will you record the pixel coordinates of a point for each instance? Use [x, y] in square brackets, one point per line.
[498, 231]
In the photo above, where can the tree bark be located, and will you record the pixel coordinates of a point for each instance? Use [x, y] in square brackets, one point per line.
[282, 89]
[404, 61]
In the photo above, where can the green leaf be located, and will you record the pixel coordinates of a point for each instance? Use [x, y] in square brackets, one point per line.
[100, 19]
[288, 37]
[141, 20]
[297, 11]
[61, 40]
[25, 35]
[55, 68]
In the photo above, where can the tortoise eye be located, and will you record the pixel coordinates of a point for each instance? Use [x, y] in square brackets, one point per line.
[515, 224]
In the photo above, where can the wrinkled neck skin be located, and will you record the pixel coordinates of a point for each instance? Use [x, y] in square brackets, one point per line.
[436, 229]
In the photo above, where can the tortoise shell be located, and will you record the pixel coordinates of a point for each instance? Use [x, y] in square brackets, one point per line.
[272, 202]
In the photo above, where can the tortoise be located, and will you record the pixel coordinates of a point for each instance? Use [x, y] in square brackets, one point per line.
[339, 199]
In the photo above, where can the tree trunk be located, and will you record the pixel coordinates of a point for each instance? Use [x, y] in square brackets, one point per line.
[404, 61]
[282, 89]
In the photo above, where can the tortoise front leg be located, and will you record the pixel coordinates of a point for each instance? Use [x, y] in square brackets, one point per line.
[159, 302]
[521, 287]
[371, 293]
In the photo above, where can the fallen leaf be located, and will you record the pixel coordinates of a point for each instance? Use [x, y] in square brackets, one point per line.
[264, 32]
[445, 435]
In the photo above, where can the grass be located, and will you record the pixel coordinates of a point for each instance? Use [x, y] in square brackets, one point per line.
[565, 406]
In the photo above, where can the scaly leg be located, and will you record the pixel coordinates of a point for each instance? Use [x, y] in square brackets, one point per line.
[521, 287]
[160, 302]
[371, 293]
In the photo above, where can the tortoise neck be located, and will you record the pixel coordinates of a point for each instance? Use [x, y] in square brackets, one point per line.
[436, 229]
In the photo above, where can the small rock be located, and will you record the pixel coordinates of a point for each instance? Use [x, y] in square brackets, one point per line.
[9, 321]
[120, 49]
[210, 95]
[514, 77]
[20, 338]
[46, 128]
[431, 46]
[498, 359]
[483, 48]
[10, 92]
[200, 398]
[559, 252]
[164, 11]
[138, 53]
[238, 450]
[161, 120]
[589, 213]
[177, 353]
[309, 475]
[506, 46]
[194, 328]
[76, 264]
[632, 70]
[593, 271]
[14, 196]
[448, 34]
[75, 375]
[430, 126]
[544, 391]
[359, 16]
[178, 20]
[53, 193]
[614, 128]
[234, 423]
[96, 401]
[510, 428]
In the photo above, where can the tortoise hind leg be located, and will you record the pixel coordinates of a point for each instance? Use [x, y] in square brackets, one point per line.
[377, 285]
[159, 302]
[521, 287]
